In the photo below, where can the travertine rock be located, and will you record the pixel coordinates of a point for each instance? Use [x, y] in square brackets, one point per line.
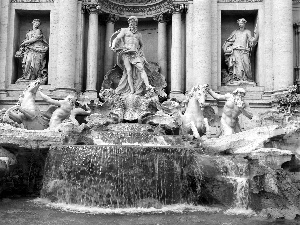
[243, 142]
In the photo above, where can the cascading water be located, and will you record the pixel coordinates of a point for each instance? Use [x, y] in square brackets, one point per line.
[237, 174]
[117, 175]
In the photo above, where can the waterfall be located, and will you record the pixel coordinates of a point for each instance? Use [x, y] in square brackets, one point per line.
[119, 175]
[236, 172]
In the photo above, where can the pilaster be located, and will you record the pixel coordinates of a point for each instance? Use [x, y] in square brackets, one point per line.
[202, 42]
[4, 18]
[189, 47]
[297, 53]
[66, 60]
[282, 43]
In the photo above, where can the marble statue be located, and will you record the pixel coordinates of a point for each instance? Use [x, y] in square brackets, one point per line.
[237, 50]
[234, 106]
[193, 119]
[26, 112]
[193, 116]
[66, 110]
[33, 51]
[129, 46]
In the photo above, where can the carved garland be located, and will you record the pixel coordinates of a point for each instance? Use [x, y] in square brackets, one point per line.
[121, 9]
[136, 2]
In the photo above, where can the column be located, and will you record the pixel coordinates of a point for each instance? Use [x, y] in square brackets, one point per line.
[202, 43]
[3, 45]
[162, 20]
[108, 53]
[189, 48]
[91, 80]
[66, 63]
[297, 49]
[268, 54]
[282, 43]
[176, 75]
[80, 49]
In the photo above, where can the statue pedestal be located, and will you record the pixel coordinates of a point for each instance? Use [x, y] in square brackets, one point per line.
[23, 82]
[241, 83]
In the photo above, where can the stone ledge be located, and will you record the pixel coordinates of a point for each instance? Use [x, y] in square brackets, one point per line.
[31, 139]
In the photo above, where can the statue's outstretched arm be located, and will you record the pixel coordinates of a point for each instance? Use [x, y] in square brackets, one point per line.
[49, 100]
[246, 113]
[38, 36]
[80, 111]
[216, 95]
[117, 39]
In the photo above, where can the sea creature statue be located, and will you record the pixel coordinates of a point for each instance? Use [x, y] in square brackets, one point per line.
[193, 116]
[26, 112]
[194, 120]
[65, 110]
[130, 107]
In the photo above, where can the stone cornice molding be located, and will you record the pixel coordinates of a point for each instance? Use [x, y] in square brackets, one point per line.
[112, 18]
[162, 18]
[140, 8]
[239, 1]
[31, 1]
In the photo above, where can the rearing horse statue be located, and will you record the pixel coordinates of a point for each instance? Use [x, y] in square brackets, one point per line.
[194, 120]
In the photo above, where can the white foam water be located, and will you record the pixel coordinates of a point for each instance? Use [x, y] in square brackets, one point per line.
[242, 197]
[177, 208]
[240, 211]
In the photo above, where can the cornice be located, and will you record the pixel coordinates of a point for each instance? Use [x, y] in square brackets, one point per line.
[31, 1]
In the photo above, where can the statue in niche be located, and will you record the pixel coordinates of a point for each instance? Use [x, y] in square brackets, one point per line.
[33, 53]
[129, 46]
[234, 106]
[237, 50]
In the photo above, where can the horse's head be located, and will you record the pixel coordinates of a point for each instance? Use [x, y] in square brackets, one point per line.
[199, 92]
[33, 86]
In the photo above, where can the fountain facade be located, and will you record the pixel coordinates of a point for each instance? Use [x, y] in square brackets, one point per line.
[123, 142]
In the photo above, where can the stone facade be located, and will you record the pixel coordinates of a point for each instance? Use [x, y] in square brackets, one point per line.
[184, 37]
